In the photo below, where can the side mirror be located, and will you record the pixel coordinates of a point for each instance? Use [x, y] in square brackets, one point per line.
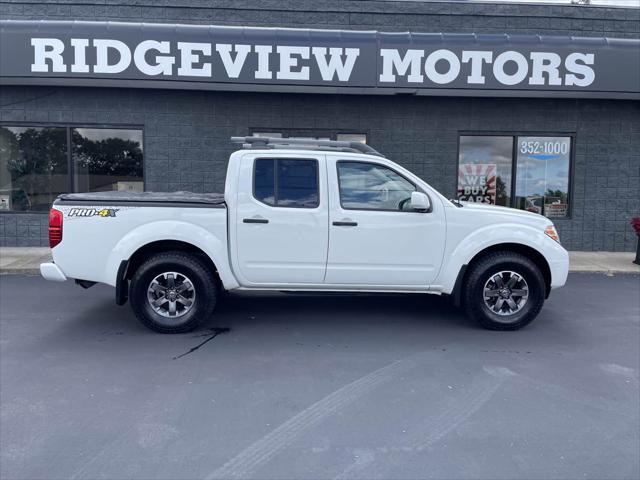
[420, 202]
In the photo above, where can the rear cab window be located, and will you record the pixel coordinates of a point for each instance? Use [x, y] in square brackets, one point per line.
[286, 182]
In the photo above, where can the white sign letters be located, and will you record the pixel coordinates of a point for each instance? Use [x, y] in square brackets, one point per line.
[440, 67]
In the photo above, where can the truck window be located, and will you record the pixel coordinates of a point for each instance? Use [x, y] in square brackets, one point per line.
[285, 182]
[369, 186]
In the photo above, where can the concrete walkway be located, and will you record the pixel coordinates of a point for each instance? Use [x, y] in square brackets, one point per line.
[607, 262]
[23, 260]
[27, 260]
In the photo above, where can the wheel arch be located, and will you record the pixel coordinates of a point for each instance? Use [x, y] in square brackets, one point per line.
[128, 267]
[534, 255]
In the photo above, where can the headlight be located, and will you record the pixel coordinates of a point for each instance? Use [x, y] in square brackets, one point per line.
[550, 232]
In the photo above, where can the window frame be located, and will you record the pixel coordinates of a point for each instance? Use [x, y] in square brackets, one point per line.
[275, 181]
[415, 186]
[68, 126]
[515, 134]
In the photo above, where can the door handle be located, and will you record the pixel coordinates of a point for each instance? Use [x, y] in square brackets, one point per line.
[345, 224]
[255, 220]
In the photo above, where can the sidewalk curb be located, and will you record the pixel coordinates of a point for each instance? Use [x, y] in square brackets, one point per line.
[606, 272]
[20, 271]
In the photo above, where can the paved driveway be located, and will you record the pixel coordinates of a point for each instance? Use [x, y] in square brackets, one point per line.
[308, 386]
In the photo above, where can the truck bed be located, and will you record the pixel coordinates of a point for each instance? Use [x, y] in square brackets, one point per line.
[211, 200]
[103, 229]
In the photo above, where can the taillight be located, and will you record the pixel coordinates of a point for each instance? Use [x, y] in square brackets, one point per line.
[55, 227]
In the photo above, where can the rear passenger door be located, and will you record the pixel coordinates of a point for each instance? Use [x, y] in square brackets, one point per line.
[282, 219]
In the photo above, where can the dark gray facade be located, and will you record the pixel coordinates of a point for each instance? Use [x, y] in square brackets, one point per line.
[186, 132]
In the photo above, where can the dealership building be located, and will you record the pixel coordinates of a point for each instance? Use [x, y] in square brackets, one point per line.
[530, 106]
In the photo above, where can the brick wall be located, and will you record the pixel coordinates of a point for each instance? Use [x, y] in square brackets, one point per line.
[186, 141]
[346, 14]
[186, 132]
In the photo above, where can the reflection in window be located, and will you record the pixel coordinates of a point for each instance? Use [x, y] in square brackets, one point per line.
[267, 134]
[297, 183]
[352, 137]
[484, 169]
[286, 182]
[541, 163]
[106, 159]
[33, 167]
[368, 186]
[264, 181]
[542, 178]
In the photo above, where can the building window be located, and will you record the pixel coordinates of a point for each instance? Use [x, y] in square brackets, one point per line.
[542, 178]
[484, 171]
[267, 134]
[492, 167]
[311, 134]
[286, 182]
[36, 164]
[33, 167]
[106, 159]
[352, 137]
[369, 186]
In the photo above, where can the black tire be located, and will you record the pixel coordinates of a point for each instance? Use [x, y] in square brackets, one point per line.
[486, 268]
[204, 291]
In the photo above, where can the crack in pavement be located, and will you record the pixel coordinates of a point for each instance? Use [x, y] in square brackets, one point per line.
[215, 332]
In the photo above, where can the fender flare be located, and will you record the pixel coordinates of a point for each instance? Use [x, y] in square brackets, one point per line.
[214, 247]
[469, 247]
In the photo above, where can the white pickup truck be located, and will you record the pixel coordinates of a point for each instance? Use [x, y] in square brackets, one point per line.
[304, 215]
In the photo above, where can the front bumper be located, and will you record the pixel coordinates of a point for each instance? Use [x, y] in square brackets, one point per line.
[559, 270]
[50, 271]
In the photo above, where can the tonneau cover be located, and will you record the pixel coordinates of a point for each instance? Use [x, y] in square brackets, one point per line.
[115, 197]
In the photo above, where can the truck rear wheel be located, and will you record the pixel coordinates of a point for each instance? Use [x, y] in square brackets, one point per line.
[173, 292]
[503, 291]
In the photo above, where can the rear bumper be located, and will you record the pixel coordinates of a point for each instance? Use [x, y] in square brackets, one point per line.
[50, 271]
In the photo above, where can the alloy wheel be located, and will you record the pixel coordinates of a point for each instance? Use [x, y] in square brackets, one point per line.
[505, 293]
[171, 294]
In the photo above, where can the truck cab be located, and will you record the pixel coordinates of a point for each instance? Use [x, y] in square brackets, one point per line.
[319, 219]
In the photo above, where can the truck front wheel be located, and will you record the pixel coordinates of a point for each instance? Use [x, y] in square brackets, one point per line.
[173, 292]
[503, 291]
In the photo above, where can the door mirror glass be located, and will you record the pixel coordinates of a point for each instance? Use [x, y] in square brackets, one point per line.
[420, 202]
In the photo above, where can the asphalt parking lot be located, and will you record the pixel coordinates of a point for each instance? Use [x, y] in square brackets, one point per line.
[317, 386]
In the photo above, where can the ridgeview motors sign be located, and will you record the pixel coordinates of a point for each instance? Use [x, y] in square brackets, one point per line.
[260, 59]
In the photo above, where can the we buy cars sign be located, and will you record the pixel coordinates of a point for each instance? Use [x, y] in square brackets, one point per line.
[477, 183]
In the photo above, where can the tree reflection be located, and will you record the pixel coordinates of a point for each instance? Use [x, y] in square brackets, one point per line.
[34, 163]
[33, 166]
[113, 156]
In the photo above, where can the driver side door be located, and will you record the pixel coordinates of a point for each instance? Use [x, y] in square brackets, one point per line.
[375, 238]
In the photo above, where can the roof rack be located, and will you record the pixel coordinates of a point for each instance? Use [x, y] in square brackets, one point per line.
[305, 143]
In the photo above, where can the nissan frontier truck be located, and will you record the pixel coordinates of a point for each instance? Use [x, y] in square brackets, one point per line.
[305, 216]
